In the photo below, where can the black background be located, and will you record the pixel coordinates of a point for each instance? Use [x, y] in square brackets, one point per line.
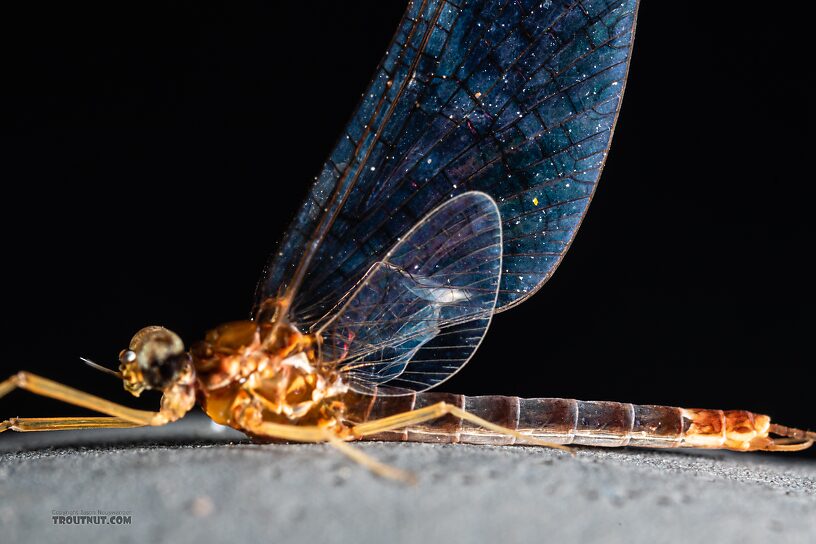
[159, 151]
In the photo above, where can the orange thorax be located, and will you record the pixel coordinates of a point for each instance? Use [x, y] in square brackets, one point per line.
[273, 370]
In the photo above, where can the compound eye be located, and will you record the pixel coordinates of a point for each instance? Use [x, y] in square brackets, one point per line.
[127, 356]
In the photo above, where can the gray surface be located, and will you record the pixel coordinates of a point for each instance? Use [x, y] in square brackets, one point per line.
[186, 482]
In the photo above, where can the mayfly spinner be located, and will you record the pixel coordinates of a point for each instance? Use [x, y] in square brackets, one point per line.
[454, 192]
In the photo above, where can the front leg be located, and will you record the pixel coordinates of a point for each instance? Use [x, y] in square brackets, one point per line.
[31, 424]
[51, 389]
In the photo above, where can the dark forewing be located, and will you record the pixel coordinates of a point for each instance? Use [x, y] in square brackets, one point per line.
[515, 98]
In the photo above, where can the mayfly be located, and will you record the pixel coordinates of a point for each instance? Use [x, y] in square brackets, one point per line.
[453, 193]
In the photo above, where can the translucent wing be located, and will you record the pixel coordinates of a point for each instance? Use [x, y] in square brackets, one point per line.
[419, 314]
[514, 98]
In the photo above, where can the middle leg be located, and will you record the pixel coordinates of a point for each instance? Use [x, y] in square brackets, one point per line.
[251, 421]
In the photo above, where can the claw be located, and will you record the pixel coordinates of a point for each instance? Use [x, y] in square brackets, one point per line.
[791, 439]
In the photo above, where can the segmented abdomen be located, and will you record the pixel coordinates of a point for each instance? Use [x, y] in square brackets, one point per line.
[565, 421]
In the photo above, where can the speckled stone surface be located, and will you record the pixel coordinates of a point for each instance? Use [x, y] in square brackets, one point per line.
[188, 482]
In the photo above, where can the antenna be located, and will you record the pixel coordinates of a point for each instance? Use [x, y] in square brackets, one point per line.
[101, 368]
